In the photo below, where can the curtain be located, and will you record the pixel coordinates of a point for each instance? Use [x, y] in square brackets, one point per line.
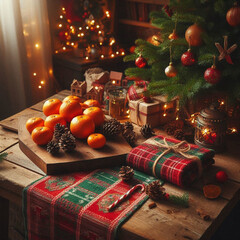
[25, 55]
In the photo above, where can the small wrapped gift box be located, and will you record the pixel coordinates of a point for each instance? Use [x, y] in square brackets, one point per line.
[155, 113]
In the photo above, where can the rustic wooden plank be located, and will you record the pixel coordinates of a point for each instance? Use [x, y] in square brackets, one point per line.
[11, 123]
[7, 138]
[61, 95]
[15, 155]
[4, 209]
[82, 158]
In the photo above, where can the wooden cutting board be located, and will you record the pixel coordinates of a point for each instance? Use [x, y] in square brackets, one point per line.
[81, 159]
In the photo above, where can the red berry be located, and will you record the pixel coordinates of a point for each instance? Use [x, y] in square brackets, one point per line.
[221, 176]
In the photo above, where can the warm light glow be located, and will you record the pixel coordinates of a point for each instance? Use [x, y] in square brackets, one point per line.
[42, 82]
[112, 55]
[234, 130]
[61, 16]
[96, 87]
[193, 121]
[72, 43]
[87, 27]
[107, 14]
[102, 56]
[39, 86]
[117, 52]
[165, 106]
[68, 43]
[69, 20]
[34, 74]
[82, 34]
[222, 102]
[164, 114]
[56, 51]
[50, 71]
[177, 118]
[113, 81]
[71, 27]
[79, 35]
[86, 58]
[60, 25]
[92, 22]
[100, 43]
[80, 28]
[112, 42]
[64, 48]
[36, 45]
[97, 26]
[99, 32]
[63, 9]
[66, 33]
[122, 53]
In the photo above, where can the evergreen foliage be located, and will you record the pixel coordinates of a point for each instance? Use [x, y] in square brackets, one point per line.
[189, 82]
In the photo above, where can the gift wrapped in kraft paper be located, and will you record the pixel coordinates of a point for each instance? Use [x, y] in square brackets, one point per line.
[172, 160]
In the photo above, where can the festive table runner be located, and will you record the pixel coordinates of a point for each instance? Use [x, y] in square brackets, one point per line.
[75, 206]
[172, 166]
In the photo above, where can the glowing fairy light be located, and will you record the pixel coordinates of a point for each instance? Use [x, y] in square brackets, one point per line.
[72, 44]
[80, 28]
[61, 16]
[164, 114]
[117, 52]
[122, 53]
[87, 27]
[102, 56]
[112, 55]
[56, 51]
[34, 74]
[39, 86]
[64, 48]
[97, 26]
[42, 82]
[63, 8]
[36, 45]
[86, 58]
[60, 25]
[107, 14]
[82, 34]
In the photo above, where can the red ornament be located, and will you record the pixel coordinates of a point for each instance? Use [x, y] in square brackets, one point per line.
[140, 62]
[132, 49]
[221, 176]
[212, 75]
[233, 15]
[187, 58]
[193, 35]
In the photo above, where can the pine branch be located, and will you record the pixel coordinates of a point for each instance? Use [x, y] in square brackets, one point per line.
[3, 155]
[130, 57]
[180, 200]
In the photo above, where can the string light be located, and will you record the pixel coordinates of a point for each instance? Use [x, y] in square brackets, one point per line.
[86, 58]
[36, 45]
[122, 53]
[99, 32]
[56, 51]
[80, 28]
[61, 16]
[87, 27]
[112, 55]
[34, 74]
[102, 56]
[64, 48]
[82, 34]
[60, 25]
[63, 8]
[42, 82]
[72, 43]
[107, 14]
[97, 26]
[117, 52]
[39, 86]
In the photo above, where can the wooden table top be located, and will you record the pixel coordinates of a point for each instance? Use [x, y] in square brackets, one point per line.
[166, 222]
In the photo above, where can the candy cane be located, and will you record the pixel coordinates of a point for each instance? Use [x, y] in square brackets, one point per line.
[124, 196]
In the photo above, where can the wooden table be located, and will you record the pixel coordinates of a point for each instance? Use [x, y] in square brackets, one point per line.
[165, 222]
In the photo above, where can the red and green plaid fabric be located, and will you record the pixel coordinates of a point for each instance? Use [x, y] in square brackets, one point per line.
[74, 206]
[171, 167]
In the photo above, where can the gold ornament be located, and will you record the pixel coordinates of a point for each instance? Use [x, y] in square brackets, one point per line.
[170, 70]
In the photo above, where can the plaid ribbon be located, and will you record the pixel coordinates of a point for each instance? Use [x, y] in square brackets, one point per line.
[172, 167]
[75, 206]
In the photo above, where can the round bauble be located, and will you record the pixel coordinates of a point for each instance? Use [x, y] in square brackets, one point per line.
[212, 75]
[188, 58]
[233, 16]
[173, 35]
[140, 62]
[221, 176]
[193, 35]
[132, 49]
[170, 70]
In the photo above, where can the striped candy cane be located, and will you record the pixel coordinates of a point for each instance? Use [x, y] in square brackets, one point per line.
[124, 196]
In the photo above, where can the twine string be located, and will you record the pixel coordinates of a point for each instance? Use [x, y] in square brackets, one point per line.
[180, 148]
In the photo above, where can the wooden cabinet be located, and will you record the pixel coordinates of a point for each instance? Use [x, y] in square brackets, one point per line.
[132, 19]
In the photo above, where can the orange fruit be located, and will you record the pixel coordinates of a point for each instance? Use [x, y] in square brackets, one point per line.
[33, 123]
[92, 103]
[84, 106]
[96, 114]
[42, 135]
[70, 109]
[211, 191]
[53, 119]
[51, 106]
[72, 97]
[82, 126]
[96, 140]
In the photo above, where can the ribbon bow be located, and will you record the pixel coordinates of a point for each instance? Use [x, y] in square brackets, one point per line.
[180, 148]
[225, 52]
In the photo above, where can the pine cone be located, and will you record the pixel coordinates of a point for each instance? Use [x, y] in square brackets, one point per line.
[53, 147]
[67, 142]
[179, 134]
[59, 130]
[169, 129]
[126, 173]
[111, 128]
[155, 191]
[129, 136]
[127, 125]
[147, 131]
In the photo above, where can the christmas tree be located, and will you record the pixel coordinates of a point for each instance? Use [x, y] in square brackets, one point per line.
[86, 25]
[196, 52]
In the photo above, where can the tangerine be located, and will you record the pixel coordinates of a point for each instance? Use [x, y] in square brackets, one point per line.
[72, 97]
[82, 126]
[96, 140]
[92, 103]
[53, 119]
[96, 114]
[51, 106]
[84, 106]
[33, 123]
[42, 135]
[70, 109]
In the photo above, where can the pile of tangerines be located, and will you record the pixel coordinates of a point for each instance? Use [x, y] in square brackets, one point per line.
[81, 118]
